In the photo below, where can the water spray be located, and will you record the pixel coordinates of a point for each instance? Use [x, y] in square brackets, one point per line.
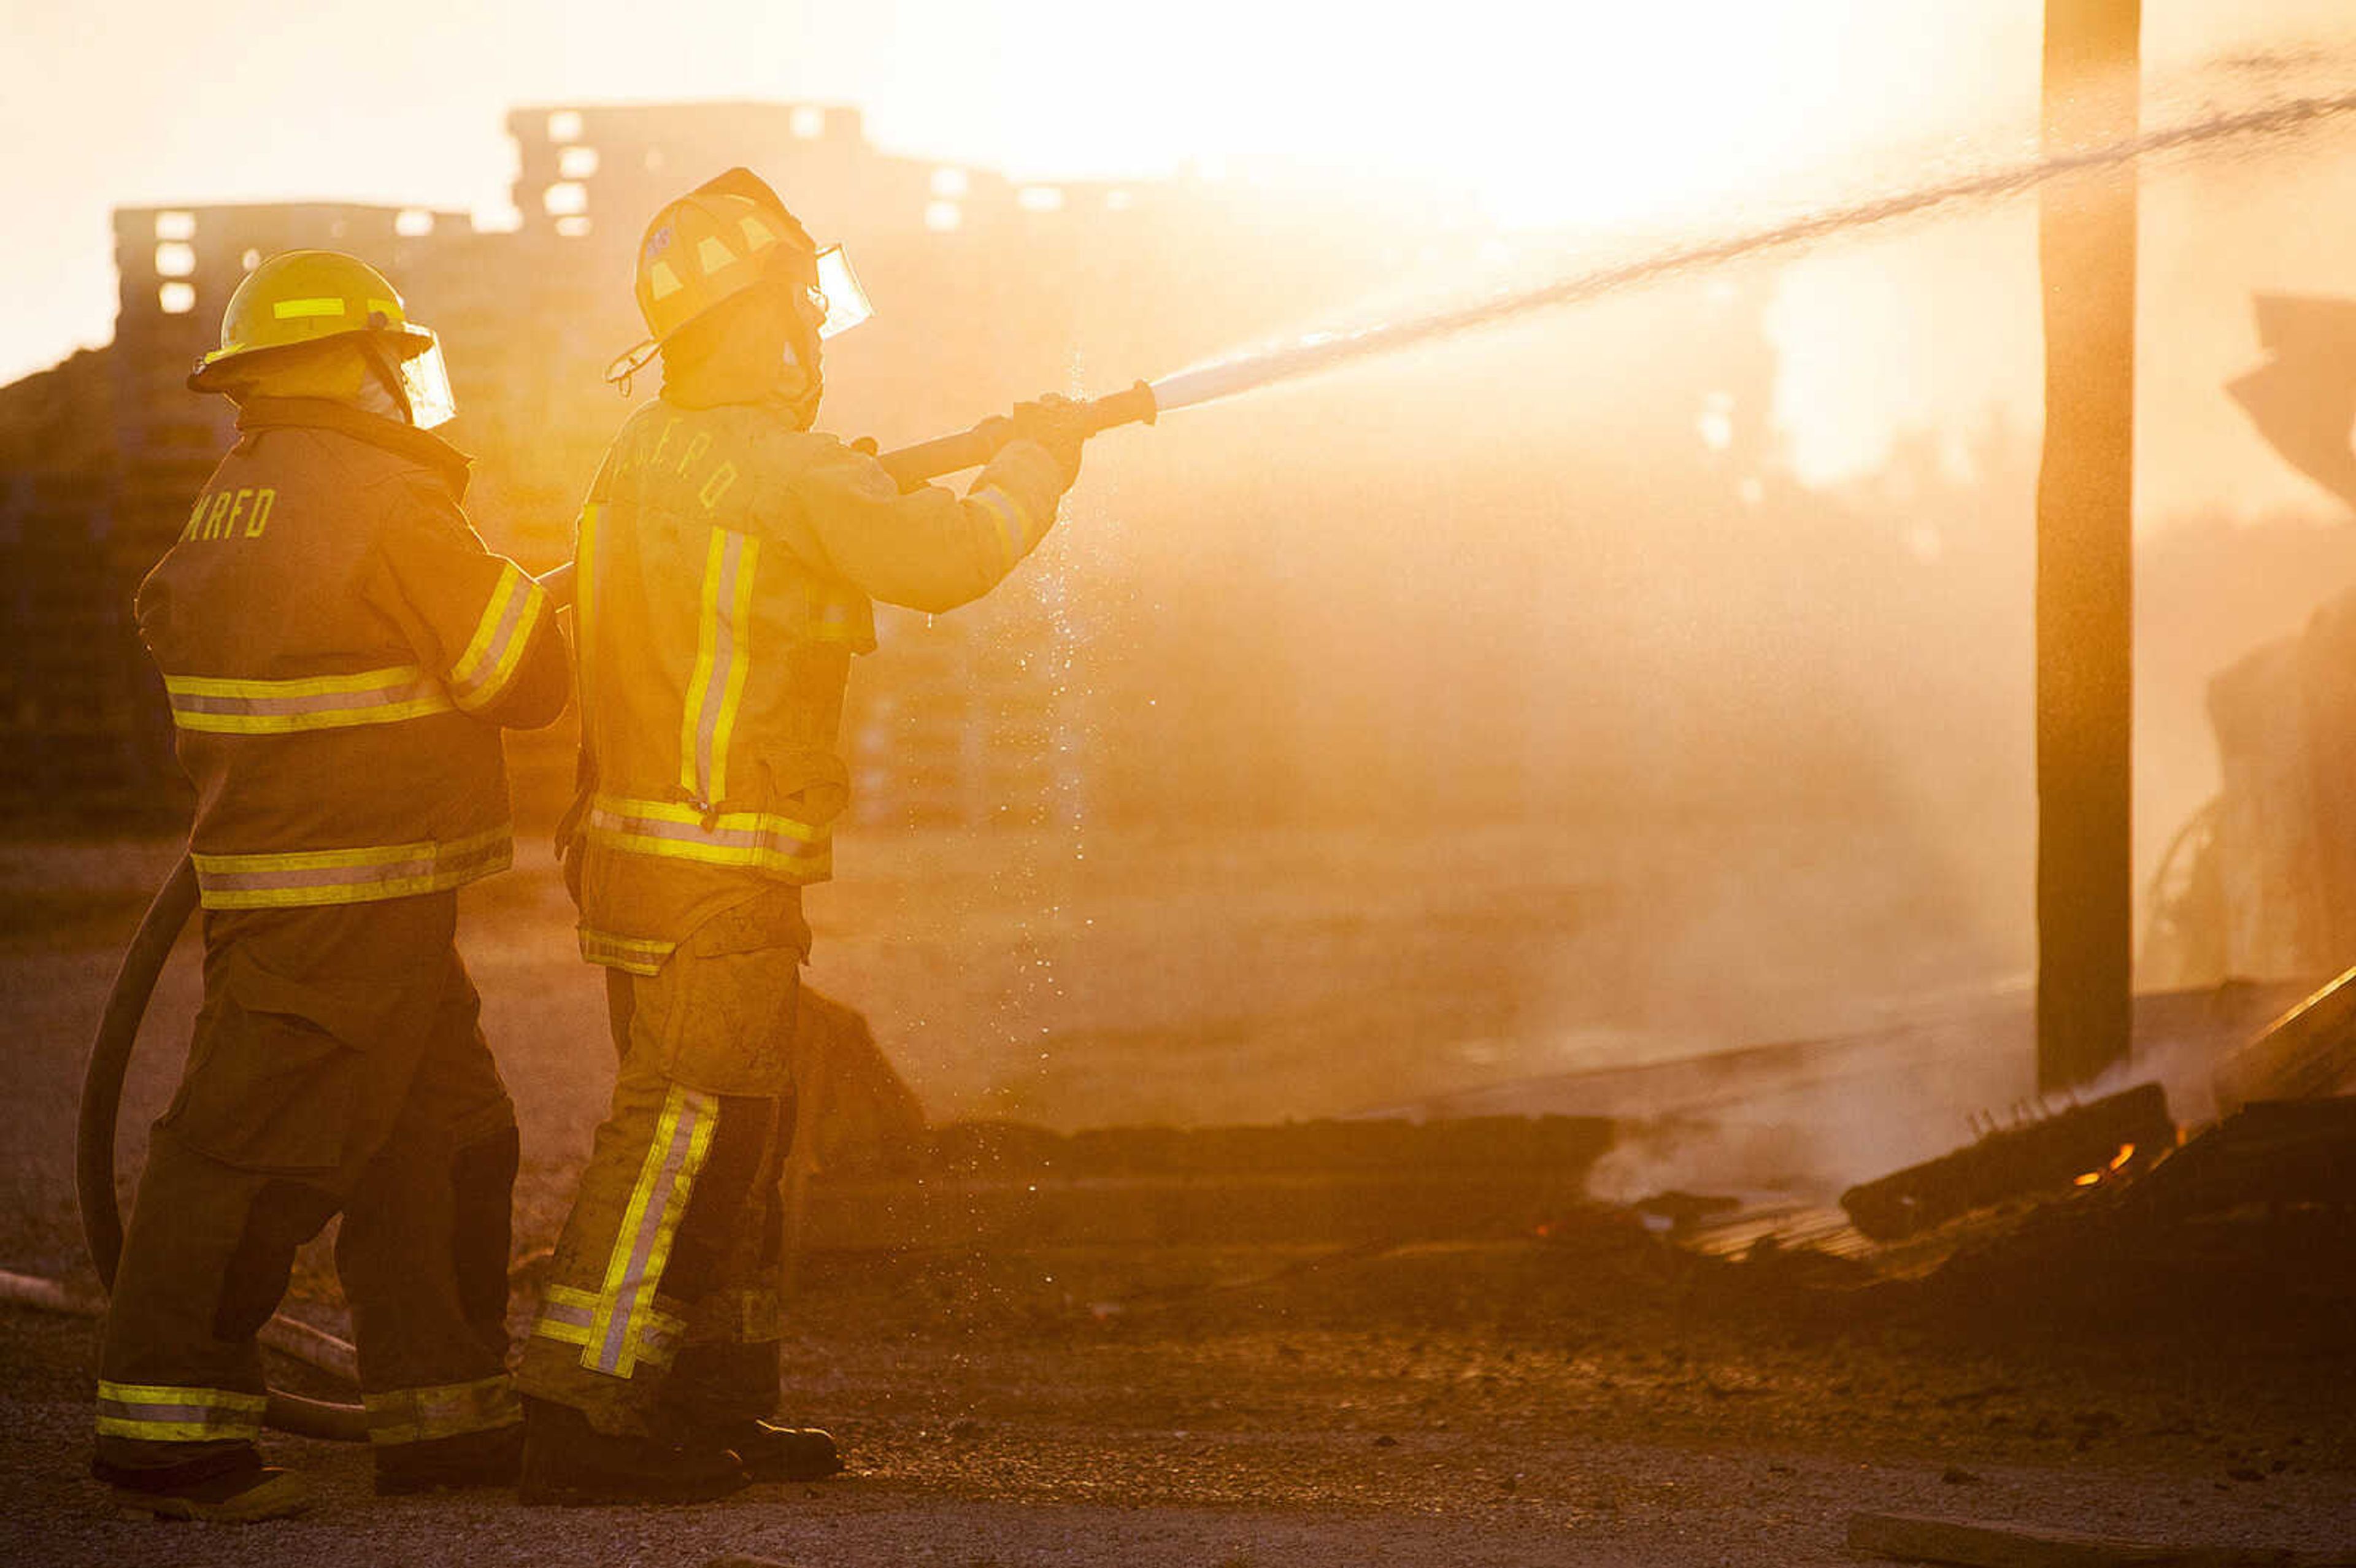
[1220, 380]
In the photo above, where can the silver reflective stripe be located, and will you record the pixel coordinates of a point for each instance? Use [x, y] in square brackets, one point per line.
[225, 707]
[768, 835]
[1014, 536]
[716, 686]
[160, 1413]
[634, 954]
[566, 1314]
[488, 666]
[620, 1330]
[446, 1410]
[308, 876]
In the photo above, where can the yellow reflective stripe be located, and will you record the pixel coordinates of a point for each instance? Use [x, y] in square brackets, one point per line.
[294, 310]
[634, 954]
[699, 681]
[811, 867]
[715, 685]
[642, 1246]
[739, 631]
[161, 1413]
[654, 1338]
[233, 724]
[729, 821]
[310, 686]
[475, 657]
[491, 658]
[746, 838]
[221, 706]
[159, 1394]
[310, 877]
[564, 1314]
[209, 1430]
[1014, 522]
[584, 583]
[304, 860]
[449, 1410]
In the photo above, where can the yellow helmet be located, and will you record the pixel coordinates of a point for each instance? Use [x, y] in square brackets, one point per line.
[723, 238]
[300, 297]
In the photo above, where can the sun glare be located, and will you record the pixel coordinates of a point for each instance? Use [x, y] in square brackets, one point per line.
[1579, 115]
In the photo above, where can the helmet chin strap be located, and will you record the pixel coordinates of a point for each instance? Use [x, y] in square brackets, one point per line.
[380, 392]
[802, 363]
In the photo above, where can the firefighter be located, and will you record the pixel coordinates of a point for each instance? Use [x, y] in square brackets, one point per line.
[727, 560]
[339, 653]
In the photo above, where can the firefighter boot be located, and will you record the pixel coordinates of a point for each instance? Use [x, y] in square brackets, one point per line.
[773, 1453]
[568, 1461]
[231, 1488]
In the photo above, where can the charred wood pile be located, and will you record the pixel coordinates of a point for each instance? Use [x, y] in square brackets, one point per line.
[2054, 1153]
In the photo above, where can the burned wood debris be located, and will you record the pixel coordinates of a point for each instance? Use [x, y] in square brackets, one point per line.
[1317, 1182]
[2256, 1214]
[2253, 1218]
[2048, 1154]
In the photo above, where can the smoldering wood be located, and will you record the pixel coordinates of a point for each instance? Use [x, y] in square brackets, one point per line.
[2013, 1162]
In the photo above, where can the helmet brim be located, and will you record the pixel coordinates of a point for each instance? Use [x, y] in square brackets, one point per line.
[224, 367]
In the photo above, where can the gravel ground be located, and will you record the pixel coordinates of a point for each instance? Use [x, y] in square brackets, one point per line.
[1591, 1397]
[1222, 1450]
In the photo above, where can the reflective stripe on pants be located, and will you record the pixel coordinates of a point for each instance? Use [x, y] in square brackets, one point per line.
[157, 1413]
[672, 1248]
[450, 1410]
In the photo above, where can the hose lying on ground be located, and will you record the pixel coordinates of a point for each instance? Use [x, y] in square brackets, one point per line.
[288, 1336]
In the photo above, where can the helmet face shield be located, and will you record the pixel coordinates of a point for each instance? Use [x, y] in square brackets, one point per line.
[839, 294]
[425, 382]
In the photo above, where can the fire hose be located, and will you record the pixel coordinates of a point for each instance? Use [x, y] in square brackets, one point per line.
[175, 901]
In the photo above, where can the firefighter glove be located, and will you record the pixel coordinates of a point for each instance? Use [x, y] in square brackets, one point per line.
[1060, 425]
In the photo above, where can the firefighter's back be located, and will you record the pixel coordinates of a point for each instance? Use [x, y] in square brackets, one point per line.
[319, 711]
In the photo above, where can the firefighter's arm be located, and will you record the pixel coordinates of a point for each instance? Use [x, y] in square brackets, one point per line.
[929, 549]
[476, 620]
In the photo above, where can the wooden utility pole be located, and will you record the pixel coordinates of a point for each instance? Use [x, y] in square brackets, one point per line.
[2086, 252]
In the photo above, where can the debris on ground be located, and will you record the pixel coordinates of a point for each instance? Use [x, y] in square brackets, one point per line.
[1312, 1183]
[2046, 1153]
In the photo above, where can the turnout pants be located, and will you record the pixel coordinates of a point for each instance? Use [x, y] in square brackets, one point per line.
[338, 1065]
[661, 1313]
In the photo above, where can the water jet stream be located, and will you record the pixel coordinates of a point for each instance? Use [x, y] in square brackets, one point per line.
[1248, 372]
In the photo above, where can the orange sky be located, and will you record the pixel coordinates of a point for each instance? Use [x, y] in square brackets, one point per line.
[1681, 113]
